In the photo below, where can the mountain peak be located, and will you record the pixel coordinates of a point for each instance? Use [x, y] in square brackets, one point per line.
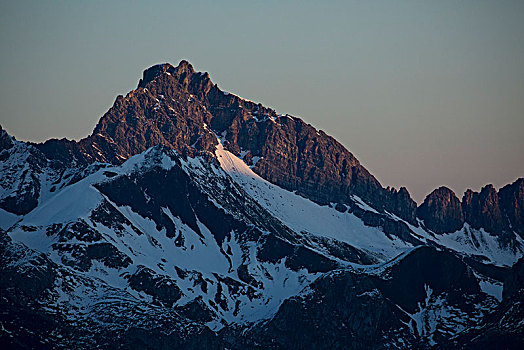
[441, 211]
[185, 67]
[5, 139]
[150, 74]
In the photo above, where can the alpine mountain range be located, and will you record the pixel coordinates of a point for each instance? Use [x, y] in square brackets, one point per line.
[192, 218]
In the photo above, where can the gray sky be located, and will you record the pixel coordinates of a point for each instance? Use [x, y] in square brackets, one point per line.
[424, 93]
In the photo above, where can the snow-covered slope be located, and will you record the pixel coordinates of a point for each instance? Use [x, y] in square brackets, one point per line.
[304, 216]
[188, 259]
[309, 218]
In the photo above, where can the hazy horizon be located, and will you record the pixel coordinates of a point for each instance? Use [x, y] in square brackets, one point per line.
[423, 94]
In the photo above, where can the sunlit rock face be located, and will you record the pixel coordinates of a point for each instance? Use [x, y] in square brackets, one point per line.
[441, 211]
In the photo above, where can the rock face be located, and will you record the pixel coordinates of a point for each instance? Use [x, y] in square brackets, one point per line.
[497, 213]
[514, 283]
[5, 140]
[482, 210]
[503, 327]
[423, 267]
[512, 202]
[402, 204]
[441, 211]
[21, 167]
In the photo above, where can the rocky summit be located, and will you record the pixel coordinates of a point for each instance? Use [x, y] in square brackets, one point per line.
[192, 218]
